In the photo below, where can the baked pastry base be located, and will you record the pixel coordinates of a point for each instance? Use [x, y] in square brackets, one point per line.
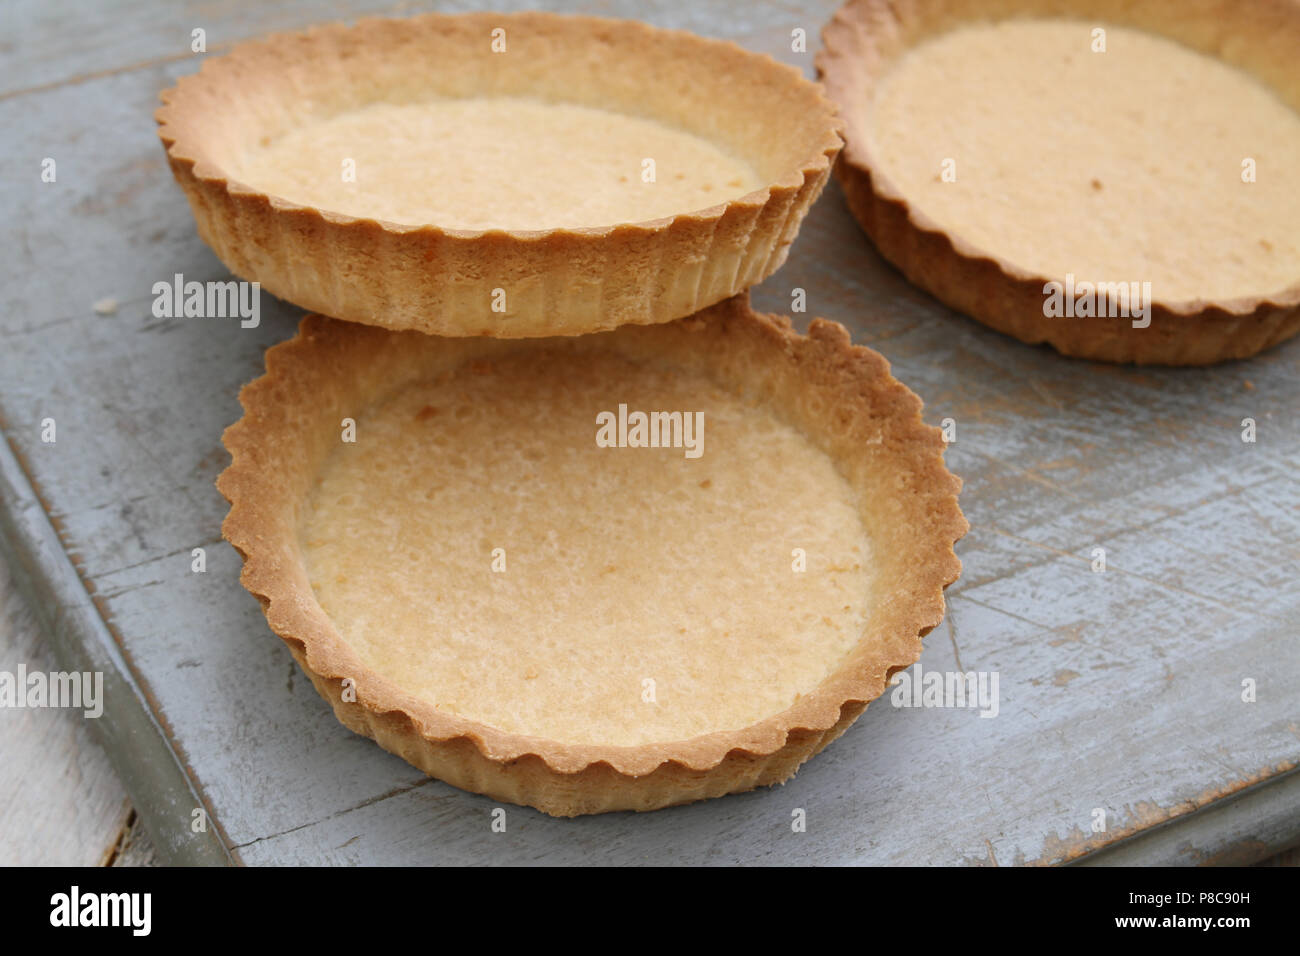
[865, 39]
[840, 397]
[499, 282]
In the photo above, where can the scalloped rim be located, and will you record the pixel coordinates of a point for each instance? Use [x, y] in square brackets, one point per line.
[212, 190]
[842, 65]
[859, 377]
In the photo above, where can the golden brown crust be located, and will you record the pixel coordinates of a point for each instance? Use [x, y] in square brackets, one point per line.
[866, 37]
[441, 281]
[841, 396]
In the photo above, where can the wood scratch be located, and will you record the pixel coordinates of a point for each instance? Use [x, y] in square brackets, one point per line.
[1047, 396]
[110, 595]
[80, 78]
[1111, 567]
[952, 636]
[396, 791]
[1034, 476]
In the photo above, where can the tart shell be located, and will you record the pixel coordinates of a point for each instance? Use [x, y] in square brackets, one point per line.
[865, 38]
[443, 280]
[841, 396]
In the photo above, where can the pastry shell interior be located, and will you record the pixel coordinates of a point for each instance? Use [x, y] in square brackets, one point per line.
[840, 397]
[500, 282]
[866, 38]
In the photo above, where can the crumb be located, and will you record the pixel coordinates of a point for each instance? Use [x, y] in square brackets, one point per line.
[1096, 184]
[106, 306]
[706, 483]
[1248, 385]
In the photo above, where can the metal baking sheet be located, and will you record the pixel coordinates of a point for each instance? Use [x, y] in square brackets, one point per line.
[1120, 692]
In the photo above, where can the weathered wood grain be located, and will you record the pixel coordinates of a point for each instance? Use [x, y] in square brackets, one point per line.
[60, 804]
[1119, 691]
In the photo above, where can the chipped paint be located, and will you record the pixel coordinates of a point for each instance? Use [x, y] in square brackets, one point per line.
[1142, 816]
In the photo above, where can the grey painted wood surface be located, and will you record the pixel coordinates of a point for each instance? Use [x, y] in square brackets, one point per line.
[60, 802]
[1120, 690]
